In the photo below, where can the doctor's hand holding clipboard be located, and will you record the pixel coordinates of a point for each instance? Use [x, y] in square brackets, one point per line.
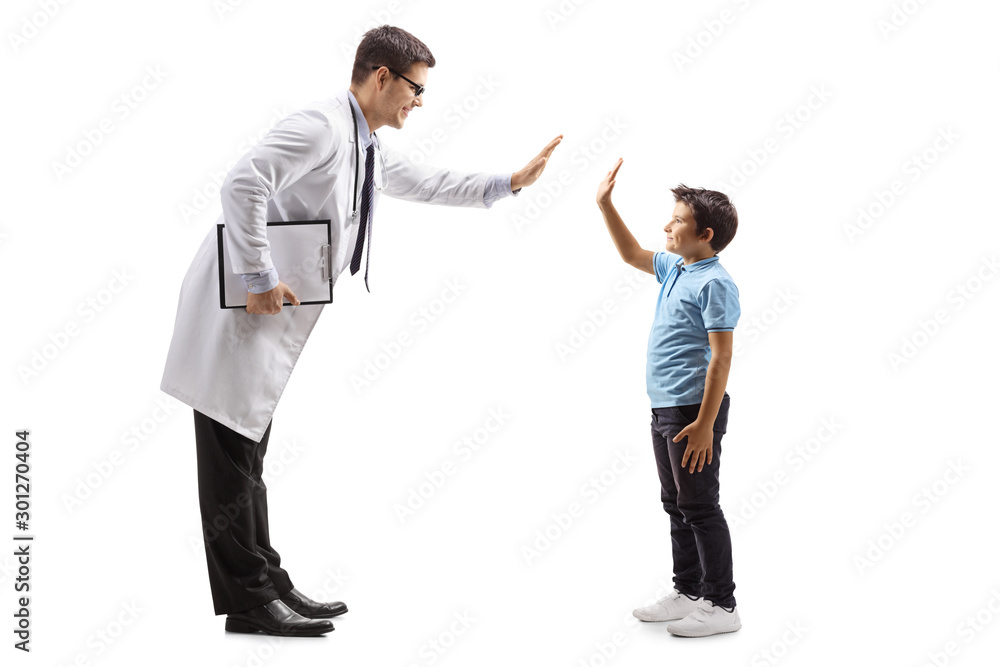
[270, 303]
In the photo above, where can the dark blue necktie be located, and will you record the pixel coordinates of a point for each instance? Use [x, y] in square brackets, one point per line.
[366, 213]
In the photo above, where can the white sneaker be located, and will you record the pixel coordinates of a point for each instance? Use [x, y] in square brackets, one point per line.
[707, 619]
[673, 607]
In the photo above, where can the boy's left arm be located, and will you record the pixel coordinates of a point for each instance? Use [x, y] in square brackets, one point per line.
[699, 432]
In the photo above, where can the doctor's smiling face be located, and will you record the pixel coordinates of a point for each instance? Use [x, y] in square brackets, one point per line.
[396, 97]
[390, 72]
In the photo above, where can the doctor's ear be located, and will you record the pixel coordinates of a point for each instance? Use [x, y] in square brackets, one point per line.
[381, 76]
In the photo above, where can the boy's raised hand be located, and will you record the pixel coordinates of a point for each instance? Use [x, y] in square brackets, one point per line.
[608, 184]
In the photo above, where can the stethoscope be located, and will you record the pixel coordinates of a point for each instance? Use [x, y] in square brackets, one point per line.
[357, 162]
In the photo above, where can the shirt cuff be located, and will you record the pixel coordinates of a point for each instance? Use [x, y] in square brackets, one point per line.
[257, 283]
[498, 187]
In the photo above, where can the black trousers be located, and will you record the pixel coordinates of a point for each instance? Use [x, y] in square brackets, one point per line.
[244, 570]
[702, 549]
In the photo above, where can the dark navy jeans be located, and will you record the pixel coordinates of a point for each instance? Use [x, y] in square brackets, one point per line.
[702, 549]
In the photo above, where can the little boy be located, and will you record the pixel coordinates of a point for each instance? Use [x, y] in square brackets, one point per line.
[690, 348]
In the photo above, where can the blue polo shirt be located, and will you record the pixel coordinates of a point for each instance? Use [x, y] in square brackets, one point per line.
[694, 299]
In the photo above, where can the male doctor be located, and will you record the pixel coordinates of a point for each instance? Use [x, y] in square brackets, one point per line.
[231, 365]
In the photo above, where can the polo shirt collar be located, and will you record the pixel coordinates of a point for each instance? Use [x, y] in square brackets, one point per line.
[697, 266]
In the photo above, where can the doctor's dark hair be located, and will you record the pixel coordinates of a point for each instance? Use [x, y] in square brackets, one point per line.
[710, 209]
[390, 47]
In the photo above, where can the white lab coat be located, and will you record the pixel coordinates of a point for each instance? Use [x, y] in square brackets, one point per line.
[233, 366]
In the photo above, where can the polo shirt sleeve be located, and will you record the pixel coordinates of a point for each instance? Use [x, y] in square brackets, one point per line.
[662, 263]
[720, 305]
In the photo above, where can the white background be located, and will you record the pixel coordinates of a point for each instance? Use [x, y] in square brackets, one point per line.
[803, 112]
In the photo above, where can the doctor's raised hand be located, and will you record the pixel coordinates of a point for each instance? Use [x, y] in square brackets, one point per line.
[270, 302]
[534, 169]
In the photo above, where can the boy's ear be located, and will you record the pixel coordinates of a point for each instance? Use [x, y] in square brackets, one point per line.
[707, 235]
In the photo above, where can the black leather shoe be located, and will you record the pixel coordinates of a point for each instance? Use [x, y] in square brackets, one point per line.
[275, 618]
[302, 605]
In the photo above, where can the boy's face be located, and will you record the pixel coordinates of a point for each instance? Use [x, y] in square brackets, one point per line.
[682, 233]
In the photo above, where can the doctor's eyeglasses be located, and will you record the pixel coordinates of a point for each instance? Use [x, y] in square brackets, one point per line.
[418, 90]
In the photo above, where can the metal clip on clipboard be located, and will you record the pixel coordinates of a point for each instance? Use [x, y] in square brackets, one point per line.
[326, 260]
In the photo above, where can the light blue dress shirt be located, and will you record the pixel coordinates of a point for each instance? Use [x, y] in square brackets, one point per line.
[496, 188]
[694, 300]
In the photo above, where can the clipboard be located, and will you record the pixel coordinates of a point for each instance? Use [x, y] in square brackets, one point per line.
[301, 251]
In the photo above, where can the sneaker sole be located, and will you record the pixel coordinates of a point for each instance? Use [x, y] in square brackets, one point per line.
[656, 620]
[682, 633]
